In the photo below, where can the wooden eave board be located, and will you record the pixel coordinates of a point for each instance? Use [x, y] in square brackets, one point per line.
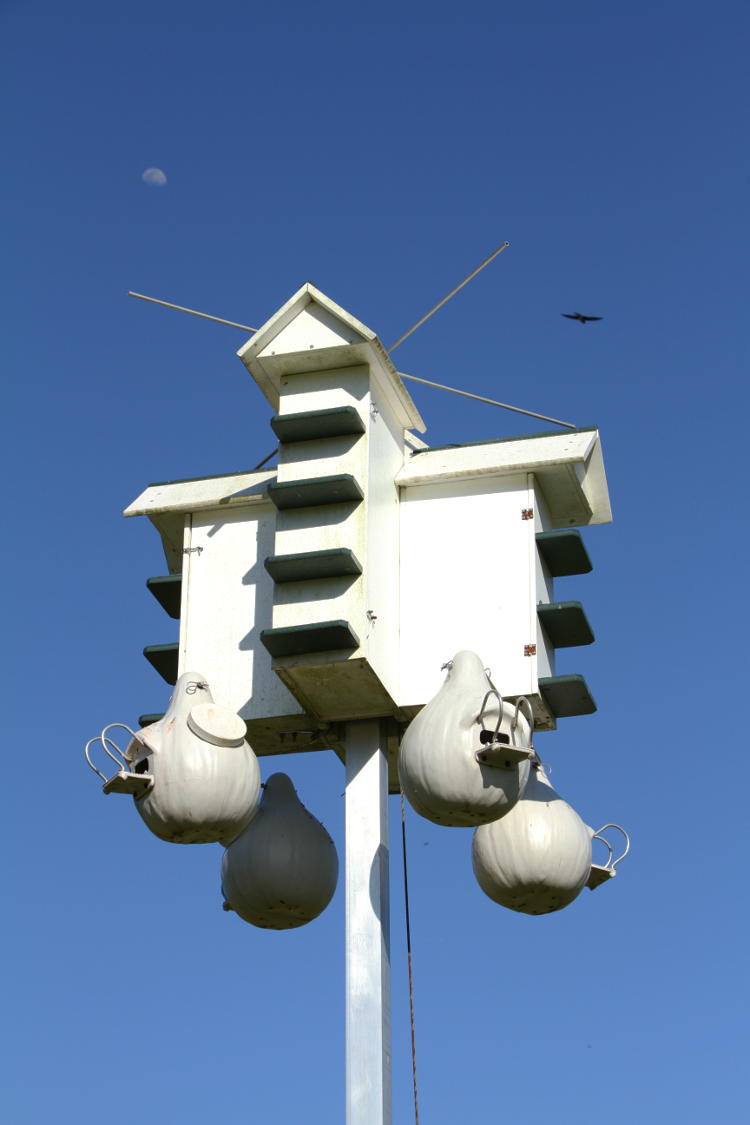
[202, 492]
[167, 502]
[351, 329]
[568, 467]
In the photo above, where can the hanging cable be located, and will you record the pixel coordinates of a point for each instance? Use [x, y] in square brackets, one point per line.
[408, 953]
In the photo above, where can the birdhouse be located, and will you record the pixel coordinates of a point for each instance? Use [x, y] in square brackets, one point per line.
[192, 775]
[281, 871]
[453, 768]
[333, 587]
[537, 858]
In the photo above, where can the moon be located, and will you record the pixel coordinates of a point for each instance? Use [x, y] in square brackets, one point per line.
[154, 177]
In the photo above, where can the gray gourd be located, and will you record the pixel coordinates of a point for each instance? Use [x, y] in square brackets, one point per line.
[437, 765]
[281, 872]
[206, 778]
[537, 858]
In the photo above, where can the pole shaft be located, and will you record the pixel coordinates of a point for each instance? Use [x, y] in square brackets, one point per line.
[368, 986]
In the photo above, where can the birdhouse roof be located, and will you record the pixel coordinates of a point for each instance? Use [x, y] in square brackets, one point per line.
[312, 333]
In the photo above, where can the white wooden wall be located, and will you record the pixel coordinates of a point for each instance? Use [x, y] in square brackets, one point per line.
[467, 582]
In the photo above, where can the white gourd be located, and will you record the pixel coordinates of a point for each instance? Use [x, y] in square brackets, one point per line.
[206, 777]
[537, 858]
[281, 872]
[437, 766]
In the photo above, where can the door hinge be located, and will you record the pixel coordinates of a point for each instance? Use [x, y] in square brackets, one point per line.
[529, 650]
[527, 513]
[192, 550]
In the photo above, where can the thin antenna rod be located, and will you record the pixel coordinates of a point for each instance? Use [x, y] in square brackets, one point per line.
[265, 460]
[414, 378]
[491, 401]
[452, 293]
[193, 312]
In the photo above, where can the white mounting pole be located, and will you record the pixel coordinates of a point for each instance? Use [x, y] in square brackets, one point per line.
[368, 970]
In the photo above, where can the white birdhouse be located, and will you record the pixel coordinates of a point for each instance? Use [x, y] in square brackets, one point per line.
[281, 872]
[193, 776]
[537, 858]
[465, 759]
[333, 588]
[321, 598]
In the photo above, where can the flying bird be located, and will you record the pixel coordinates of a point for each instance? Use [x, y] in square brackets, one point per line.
[579, 316]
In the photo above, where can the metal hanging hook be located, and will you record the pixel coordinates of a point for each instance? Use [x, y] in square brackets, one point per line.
[608, 865]
[612, 864]
[514, 722]
[87, 752]
[480, 716]
[122, 726]
[110, 748]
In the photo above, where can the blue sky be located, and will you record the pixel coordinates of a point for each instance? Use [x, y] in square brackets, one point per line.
[380, 152]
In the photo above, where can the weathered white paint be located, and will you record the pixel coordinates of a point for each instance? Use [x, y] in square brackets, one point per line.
[311, 332]
[448, 563]
[227, 548]
[205, 492]
[167, 504]
[364, 681]
[544, 585]
[466, 559]
[568, 468]
[368, 995]
[382, 625]
[330, 526]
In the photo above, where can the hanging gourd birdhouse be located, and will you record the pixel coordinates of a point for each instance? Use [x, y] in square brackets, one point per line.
[464, 759]
[281, 872]
[193, 776]
[537, 859]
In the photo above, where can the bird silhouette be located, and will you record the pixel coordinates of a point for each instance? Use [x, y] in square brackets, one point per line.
[579, 316]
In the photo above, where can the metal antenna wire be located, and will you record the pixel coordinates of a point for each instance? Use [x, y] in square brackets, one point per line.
[452, 293]
[491, 401]
[193, 312]
[413, 378]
